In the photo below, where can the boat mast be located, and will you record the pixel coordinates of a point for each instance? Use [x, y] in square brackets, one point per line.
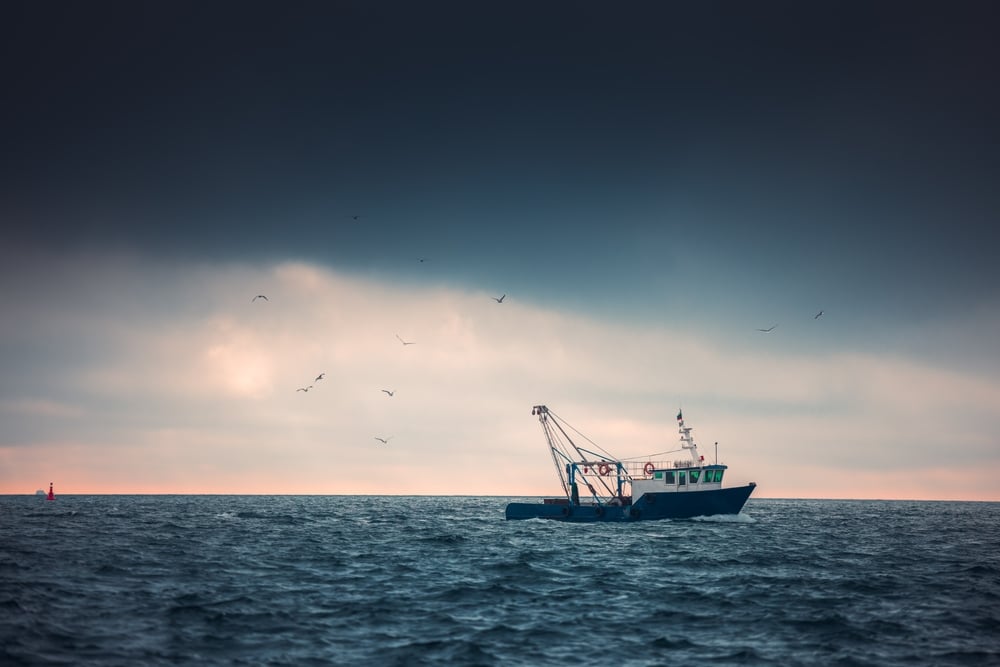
[687, 442]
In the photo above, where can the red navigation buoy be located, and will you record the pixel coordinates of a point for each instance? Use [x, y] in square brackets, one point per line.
[51, 495]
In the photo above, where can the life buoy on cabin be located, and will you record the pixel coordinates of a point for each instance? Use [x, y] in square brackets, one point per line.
[649, 468]
[604, 469]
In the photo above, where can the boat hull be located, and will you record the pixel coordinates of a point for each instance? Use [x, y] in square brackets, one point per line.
[649, 507]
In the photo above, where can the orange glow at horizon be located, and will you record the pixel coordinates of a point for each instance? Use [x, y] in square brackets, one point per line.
[70, 478]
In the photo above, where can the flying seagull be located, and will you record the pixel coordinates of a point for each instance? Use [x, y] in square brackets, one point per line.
[500, 300]
[816, 316]
[391, 393]
[403, 341]
[768, 330]
[259, 296]
[304, 388]
[384, 441]
[319, 377]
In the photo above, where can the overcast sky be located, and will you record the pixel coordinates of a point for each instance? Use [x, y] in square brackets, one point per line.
[649, 185]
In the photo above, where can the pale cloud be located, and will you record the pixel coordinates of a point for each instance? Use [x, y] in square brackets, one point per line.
[39, 407]
[175, 381]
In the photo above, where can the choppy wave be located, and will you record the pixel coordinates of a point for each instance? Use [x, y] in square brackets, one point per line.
[178, 580]
[726, 518]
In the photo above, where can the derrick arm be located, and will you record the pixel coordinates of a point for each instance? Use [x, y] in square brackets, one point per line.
[567, 457]
[543, 419]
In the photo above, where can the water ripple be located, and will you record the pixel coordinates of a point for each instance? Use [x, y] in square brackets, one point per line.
[178, 580]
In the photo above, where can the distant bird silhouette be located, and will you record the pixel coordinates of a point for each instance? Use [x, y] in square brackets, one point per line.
[304, 388]
[319, 377]
[384, 441]
[259, 296]
[403, 341]
[500, 300]
[421, 260]
[768, 330]
[391, 393]
[355, 217]
[816, 316]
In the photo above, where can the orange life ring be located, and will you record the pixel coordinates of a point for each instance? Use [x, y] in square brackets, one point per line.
[649, 468]
[604, 469]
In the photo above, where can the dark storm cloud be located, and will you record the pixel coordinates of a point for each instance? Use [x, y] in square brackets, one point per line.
[864, 129]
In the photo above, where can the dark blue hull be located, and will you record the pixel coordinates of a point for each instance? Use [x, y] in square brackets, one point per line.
[651, 506]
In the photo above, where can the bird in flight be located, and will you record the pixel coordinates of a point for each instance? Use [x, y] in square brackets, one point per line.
[768, 330]
[403, 341]
[259, 296]
[500, 299]
[319, 377]
[355, 217]
[384, 441]
[391, 393]
[816, 316]
[304, 388]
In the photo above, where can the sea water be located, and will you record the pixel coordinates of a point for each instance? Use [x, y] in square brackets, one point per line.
[327, 580]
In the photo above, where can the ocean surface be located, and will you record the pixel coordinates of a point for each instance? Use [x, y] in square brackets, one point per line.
[349, 580]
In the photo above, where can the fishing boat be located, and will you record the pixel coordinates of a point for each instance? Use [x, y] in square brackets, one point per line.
[629, 490]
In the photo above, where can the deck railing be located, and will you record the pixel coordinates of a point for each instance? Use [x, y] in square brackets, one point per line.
[636, 469]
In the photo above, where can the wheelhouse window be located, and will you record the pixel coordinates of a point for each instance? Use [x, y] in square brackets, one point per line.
[680, 479]
[669, 477]
[695, 474]
[718, 475]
